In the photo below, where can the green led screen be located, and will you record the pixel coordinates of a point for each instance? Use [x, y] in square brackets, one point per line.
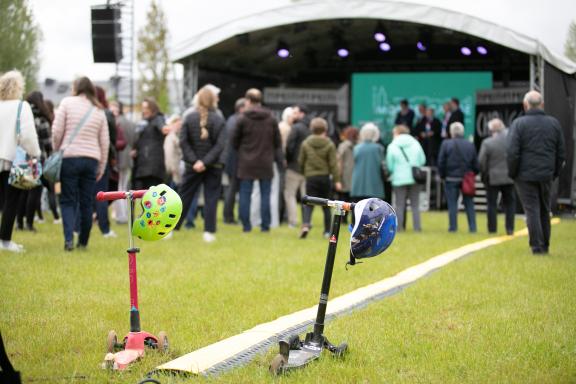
[376, 96]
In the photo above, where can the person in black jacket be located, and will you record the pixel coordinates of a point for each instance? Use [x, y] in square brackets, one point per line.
[405, 116]
[536, 153]
[148, 150]
[202, 139]
[456, 114]
[457, 156]
[231, 164]
[429, 133]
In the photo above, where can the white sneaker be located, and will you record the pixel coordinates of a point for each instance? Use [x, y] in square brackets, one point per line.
[11, 246]
[110, 234]
[168, 236]
[57, 221]
[209, 237]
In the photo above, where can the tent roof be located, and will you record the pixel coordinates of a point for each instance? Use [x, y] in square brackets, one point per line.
[537, 29]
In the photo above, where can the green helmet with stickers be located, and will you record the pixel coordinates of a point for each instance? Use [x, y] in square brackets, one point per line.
[161, 210]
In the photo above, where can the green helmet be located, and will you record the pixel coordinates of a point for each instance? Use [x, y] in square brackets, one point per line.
[161, 210]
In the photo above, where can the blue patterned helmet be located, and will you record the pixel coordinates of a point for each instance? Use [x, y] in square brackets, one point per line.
[374, 228]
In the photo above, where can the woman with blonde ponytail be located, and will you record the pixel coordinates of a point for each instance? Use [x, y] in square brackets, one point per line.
[202, 140]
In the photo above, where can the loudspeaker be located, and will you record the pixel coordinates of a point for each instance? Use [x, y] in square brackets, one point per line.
[106, 39]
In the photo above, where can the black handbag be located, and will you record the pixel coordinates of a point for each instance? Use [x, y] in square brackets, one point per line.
[418, 173]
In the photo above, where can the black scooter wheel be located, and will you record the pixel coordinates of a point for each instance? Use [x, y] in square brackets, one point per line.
[341, 350]
[278, 362]
[111, 342]
[163, 344]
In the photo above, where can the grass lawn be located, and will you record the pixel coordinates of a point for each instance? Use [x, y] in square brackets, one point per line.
[498, 316]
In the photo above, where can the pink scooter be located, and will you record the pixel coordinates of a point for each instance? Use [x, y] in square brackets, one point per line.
[121, 355]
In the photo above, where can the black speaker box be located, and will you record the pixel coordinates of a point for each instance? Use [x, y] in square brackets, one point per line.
[106, 34]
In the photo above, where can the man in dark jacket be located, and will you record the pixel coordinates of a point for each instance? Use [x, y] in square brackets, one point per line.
[405, 115]
[535, 157]
[456, 114]
[257, 140]
[494, 170]
[457, 156]
[429, 131]
[295, 180]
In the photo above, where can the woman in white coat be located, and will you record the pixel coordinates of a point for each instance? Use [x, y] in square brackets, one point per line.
[11, 91]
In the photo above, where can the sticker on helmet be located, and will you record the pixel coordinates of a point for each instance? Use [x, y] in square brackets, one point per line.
[161, 200]
[163, 209]
[147, 204]
[157, 222]
[150, 223]
[156, 214]
[154, 194]
[148, 215]
[142, 223]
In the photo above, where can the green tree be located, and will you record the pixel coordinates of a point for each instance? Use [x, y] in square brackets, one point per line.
[153, 61]
[19, 39]
[570, 44]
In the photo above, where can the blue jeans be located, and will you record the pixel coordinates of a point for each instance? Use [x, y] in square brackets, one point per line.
[102, 206]
[78, 178]
[246, 199]
[452, 194]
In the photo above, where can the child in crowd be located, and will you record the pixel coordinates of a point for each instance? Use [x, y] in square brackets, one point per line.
[317, 160]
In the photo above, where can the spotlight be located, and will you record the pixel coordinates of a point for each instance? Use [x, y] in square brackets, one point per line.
[421, 47]
[481, 50]
[424, 40]
[282, 50]
[465, 51]
[385, 47]
[343, 52]
[379, 33]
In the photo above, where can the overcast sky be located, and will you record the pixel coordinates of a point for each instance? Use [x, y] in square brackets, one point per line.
[66, 49]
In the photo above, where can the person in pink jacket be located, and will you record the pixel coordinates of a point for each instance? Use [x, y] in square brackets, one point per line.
[84, 158]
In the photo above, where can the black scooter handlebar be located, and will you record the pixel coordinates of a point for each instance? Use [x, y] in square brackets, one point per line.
[310, 200]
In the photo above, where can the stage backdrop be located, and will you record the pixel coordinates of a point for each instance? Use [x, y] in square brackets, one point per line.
[376, 96]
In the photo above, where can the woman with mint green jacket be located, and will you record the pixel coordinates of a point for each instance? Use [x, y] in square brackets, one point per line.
[405, 152]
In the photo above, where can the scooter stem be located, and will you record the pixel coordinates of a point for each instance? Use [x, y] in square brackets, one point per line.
[330, 257]
[132, 270]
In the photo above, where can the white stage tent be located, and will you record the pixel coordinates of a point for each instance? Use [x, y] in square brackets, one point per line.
[537, 28]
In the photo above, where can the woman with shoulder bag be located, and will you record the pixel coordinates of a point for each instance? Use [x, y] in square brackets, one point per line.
[80, 129]
[12, 108]
[457, 161]
[404, 153]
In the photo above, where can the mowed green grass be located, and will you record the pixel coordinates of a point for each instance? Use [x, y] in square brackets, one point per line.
[500, 315]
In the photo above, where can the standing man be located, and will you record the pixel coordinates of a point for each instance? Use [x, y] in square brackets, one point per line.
[405, 116]
[494, 169]
[456, 114]
[257, 140]
[535, 157]
[231, 163]
[294, 178]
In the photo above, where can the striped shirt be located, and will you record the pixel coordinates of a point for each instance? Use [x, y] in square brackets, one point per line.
[92, 139]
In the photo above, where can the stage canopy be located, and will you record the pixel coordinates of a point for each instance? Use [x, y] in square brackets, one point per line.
[533, 28]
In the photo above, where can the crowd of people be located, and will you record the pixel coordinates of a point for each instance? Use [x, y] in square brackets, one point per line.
[259, 164]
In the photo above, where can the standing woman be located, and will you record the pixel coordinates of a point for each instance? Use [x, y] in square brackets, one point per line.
[148, 152]
[11, 90]
[405, 152]
[368, 157]
[345, 152]
[202, 139]
[30, 200]
[84, 158]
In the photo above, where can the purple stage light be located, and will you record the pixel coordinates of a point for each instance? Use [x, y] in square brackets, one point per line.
[343, 52]
[482, 50]
[379, 36]
[283, 53]
[465, 51]
[421, 47]
[385, 47]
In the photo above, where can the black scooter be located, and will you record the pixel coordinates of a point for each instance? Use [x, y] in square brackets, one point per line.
[295, 353]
